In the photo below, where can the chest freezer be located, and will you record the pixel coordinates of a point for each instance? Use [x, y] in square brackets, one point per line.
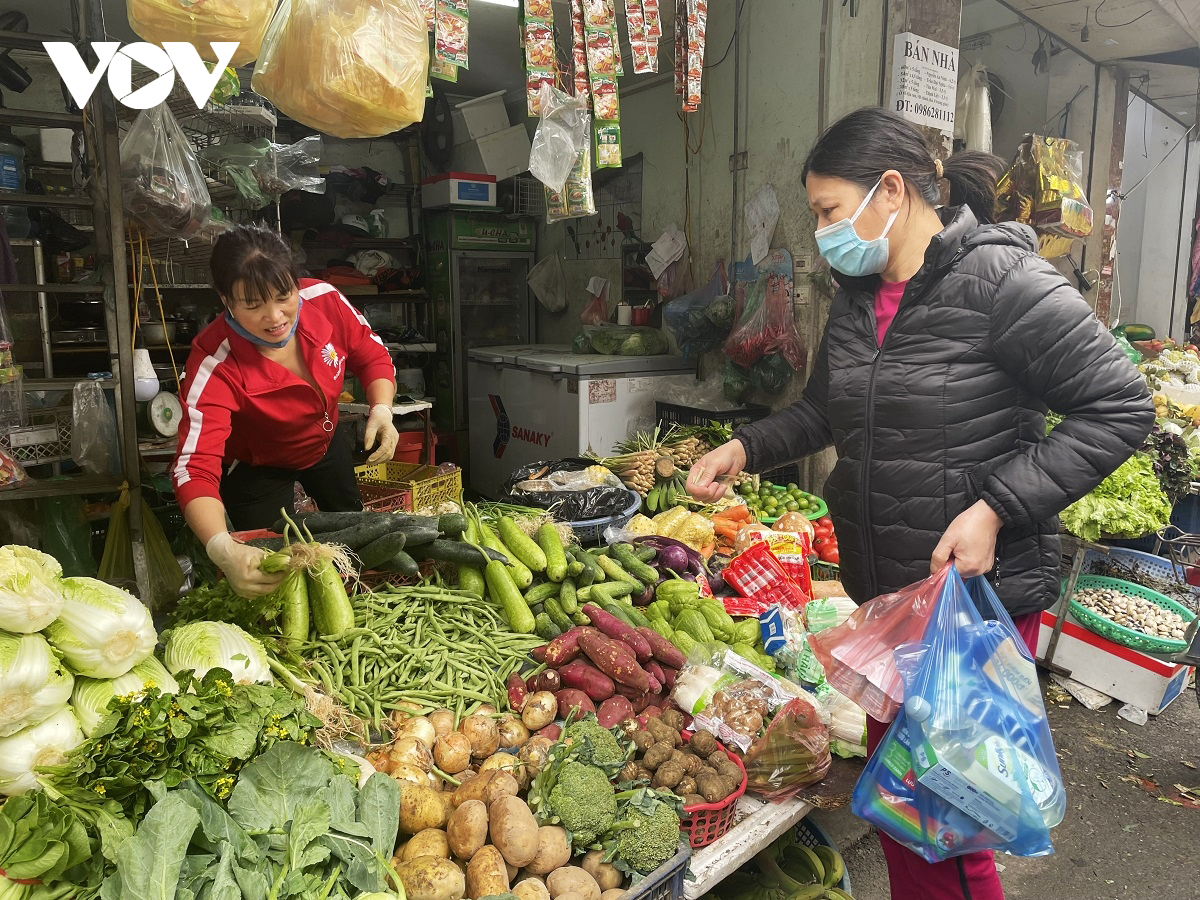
[528, 403]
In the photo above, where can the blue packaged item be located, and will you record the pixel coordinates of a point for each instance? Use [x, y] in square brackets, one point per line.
[969, 764]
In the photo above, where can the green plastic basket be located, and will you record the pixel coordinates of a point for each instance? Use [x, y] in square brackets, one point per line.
[811, 514]
[1119, 634]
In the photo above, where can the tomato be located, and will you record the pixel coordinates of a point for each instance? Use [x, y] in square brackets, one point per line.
[823, 531]
[820, 541]
[830, 555]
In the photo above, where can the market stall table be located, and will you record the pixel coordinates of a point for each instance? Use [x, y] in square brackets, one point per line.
[758, 824]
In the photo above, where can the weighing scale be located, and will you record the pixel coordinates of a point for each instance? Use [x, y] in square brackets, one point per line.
[160, 416]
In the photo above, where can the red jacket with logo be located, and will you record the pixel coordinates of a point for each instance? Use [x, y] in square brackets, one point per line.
[239, 405]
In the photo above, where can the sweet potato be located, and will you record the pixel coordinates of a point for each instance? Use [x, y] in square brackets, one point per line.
[669, 675]
[486, 873]
[664, 651]
[548, 680]
[614, 711]
[552, 731]
[583, 676]
[517, 692]
[611, 626]
[654, 670]
[539, 653]
[614, 659]
[572, 699]
[564, 648]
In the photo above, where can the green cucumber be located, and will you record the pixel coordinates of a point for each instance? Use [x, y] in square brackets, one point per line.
[519, 572]
[521, 545]
[541, 592]
[451, 551]
[504, 592]
[381, 550]
[623, 553]
[452, 525]
[556, 555]
[555, 611]
[471, 580]
[567, 597]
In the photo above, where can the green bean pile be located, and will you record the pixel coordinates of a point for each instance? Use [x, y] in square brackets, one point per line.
[425, 647]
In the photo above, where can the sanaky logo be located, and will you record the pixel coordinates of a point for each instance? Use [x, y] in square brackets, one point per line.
[171, 59]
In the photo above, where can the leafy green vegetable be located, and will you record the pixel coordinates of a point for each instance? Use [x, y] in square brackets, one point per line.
[1128, 503]
[221, 603]
[92, 696]
[34, 685]
[207, 731]
[39, 839]
[102, 631]
[201, 646]
[148, 864]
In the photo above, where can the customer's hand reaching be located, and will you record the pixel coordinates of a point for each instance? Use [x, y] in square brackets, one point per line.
[713, 472]
[970, 542]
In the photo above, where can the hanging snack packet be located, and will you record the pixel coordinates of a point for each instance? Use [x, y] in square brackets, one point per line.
[605, 105]
[601, 52]
[635, 22]
[539, 9]
[597, 13]
[450, 32]
[576, 198]
[443, 70]
[429, 8]
[680, 47]
[761, 580]
[540, 52]
[578, 50]
[608, 145]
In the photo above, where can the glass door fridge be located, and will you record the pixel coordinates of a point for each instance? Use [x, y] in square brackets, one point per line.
[478, 270]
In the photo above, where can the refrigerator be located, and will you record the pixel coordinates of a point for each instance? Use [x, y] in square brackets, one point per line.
[530, 403]
[478, 266]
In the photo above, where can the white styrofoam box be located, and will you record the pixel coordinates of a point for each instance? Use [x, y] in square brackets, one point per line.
[458, 189]
[503, 154]
[1122, 673]
[56, 144]
[475, 119]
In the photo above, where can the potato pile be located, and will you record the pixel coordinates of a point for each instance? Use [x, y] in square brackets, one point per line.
[478, 838]
[699, 771]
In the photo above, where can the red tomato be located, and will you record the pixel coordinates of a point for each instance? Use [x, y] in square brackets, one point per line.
[825, 520]
[820, 541]
[823, 530]
[830, 555]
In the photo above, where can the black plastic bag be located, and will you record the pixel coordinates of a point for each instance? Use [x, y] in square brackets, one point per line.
[67, 536]
[568, 505]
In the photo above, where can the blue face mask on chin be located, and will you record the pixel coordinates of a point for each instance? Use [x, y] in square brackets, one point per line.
[262, 342]
[848, 253]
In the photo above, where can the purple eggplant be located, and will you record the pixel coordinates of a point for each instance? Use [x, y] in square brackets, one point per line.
[674, 555]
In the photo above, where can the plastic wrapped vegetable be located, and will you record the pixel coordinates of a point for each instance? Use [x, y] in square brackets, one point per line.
[792, 754]
[162, 186]
[243, 21]
[348, 68]
[626, 340]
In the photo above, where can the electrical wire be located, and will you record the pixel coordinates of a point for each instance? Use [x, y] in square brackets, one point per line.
[736, 18]
[1024, 40]
[1123, 24]
[1125, 195]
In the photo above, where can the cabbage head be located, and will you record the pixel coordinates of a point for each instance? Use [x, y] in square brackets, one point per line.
[30, 593]
[201, 646]
[34, 684]
[92, 695]
[102, 631]
[44, 744]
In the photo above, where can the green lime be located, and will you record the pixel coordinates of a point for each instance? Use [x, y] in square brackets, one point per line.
[793, 506]
[792, 486]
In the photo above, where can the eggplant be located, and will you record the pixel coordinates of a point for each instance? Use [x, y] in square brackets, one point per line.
[675, 555]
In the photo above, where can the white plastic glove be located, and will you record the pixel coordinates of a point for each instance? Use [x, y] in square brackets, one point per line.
[381, 434]
[239, 564]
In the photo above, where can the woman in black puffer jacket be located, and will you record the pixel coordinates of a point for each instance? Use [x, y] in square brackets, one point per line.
[947, 342]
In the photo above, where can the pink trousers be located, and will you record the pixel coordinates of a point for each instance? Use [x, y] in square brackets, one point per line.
[969, 877]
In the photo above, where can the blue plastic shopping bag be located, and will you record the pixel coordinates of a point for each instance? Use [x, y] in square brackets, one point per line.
[969, 762]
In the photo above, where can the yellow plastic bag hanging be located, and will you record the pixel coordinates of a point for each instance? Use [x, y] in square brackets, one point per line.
[244, 21]
[349, 68]
[166, 577]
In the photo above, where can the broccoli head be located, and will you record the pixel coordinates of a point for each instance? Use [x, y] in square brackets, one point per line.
[647, 835]
[599, 746]
[583, 802]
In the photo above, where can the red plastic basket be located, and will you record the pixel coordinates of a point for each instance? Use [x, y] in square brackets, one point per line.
[385, 497]
[706, 822]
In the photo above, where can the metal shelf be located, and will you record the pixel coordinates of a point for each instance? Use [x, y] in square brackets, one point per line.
[27, 40]
[74, 485]
[37, 118]
[51, 288]
[48, 200]
[426, 347]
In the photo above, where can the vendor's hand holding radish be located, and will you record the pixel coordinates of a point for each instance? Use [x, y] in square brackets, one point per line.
[727, 460]
[239, 564]
[381, 434]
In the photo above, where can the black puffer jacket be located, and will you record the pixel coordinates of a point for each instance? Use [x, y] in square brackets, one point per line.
[952, 409]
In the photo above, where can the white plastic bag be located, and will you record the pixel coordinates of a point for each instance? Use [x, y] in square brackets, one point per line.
[973, 110]
[561, 136]
[548, 282]
[94, 444]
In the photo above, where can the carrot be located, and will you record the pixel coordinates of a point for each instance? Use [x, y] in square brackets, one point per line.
[725, 531]
[707, 550]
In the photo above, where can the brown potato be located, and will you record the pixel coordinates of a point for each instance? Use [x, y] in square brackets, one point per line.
[475, 788]
[513, 732]
[553, 851]
[431, 878]
[607, 875]
[420, 728]
[539, 710]
[513, 830]
[467, 829]
[486, 873]
[572, 879]
[571, 895]
[531, 888]
[534, 753]
[412, 751]
[483, 734]
[429, 842]
[502, 784]
[452, 752]
[613, 894]
[513, 871]
[420, 808]
[442, 721]
[506, 762]
[410, 774]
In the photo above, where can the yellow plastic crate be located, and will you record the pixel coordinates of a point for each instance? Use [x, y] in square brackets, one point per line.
[423, 492]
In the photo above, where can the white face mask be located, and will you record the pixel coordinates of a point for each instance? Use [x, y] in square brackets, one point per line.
[850, 254]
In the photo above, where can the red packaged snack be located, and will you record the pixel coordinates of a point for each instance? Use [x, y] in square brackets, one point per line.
[758, 576]
[539, 9]
[604, 99]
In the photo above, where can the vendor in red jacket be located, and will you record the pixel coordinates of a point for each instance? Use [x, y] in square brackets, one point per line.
[260, 401]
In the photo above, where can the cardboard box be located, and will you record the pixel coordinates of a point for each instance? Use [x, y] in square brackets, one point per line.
[458, 189]
[503, 154]
[475, 119]
[56, 144]
[1124, 674]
